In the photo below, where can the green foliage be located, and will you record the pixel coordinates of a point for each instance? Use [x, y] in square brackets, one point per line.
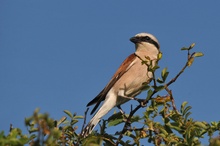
[14, 138]
[161, 123]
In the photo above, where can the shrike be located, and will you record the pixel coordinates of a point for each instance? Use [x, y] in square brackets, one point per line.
[128, 80]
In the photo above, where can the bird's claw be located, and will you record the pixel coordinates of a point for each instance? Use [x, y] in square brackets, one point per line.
[142, 102]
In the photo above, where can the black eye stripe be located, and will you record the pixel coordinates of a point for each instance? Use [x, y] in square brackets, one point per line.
[149, 40]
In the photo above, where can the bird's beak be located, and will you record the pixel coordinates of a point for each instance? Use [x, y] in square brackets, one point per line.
[134, 40]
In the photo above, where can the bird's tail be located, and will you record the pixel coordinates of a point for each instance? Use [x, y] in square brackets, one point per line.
[104, 109]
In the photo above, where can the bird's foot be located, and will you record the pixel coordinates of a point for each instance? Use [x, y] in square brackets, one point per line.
[142, 102]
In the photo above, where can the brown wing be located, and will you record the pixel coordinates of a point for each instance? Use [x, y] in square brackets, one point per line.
[121, 70]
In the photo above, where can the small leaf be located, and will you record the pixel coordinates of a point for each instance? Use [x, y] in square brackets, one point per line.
[198, 54]
[61, 121]
[68, 113]
[159, 80]
[184, 48]
[155, 68]
[215, 124]
[164, 131]
[149, 123]
[183, 106]
[160, 55]
[73, 122]
[135, 118]
[149, 94]
[145, 86]
[187, 115]
[186, 109]
[159, 88]
[78, 117]
[201, 124]
[163, 71]
[190, 61]
[191, 46]
[164, 74]
[175, 127]
[28, 120]
[32, 136]
[33, 130]
[115, 119]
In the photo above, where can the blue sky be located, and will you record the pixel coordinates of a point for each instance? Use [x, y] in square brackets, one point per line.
[58, 55]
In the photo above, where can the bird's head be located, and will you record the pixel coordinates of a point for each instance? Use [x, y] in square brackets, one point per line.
[146, 41]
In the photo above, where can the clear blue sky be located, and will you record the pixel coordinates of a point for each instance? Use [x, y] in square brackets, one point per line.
[58, 55]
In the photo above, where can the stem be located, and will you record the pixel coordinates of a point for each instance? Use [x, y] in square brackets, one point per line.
[189, 56]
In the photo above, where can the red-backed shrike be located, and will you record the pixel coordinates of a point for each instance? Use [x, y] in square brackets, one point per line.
[128, 80]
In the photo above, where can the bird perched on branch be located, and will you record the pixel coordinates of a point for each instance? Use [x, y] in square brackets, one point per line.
[128, 80]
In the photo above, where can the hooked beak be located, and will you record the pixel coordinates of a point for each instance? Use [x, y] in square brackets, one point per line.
[135, 40]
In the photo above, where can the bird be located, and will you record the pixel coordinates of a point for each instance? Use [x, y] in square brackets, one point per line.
[127, 82]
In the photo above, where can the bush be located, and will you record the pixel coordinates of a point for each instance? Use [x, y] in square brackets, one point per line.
[161, 124]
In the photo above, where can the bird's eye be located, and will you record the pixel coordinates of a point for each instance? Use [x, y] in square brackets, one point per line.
[147, 38]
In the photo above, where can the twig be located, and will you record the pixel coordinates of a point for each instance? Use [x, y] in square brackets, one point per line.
[129, 118]
[11, 127]
[181, 71]
[171, 98]
[189, 56]
[84, 122]
[126, 124]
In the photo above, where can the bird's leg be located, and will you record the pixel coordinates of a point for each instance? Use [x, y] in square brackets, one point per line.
[122, 94]
[141, 101]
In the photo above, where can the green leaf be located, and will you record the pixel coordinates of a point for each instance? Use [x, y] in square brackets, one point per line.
[177, 128]
[183, 106]
[68, 113]
[73, 122]
[78, 117]
[184, 48]
[93, 141]
[198, 54]
[149, 94]
[115, 119]
[186, 110]
[149, 111]
[187, 115]
[164, 74]
[135, 118]
[61, 120]
[201, 124]
[32, 136]
[164, 71]
[33, 130]
[149, 123]
[145, 86]
[155, 68]
[159, 88]
[215, 124]
[160, 55]
[28, 120]
[164, 131]
[159, 80]
[191, 46]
